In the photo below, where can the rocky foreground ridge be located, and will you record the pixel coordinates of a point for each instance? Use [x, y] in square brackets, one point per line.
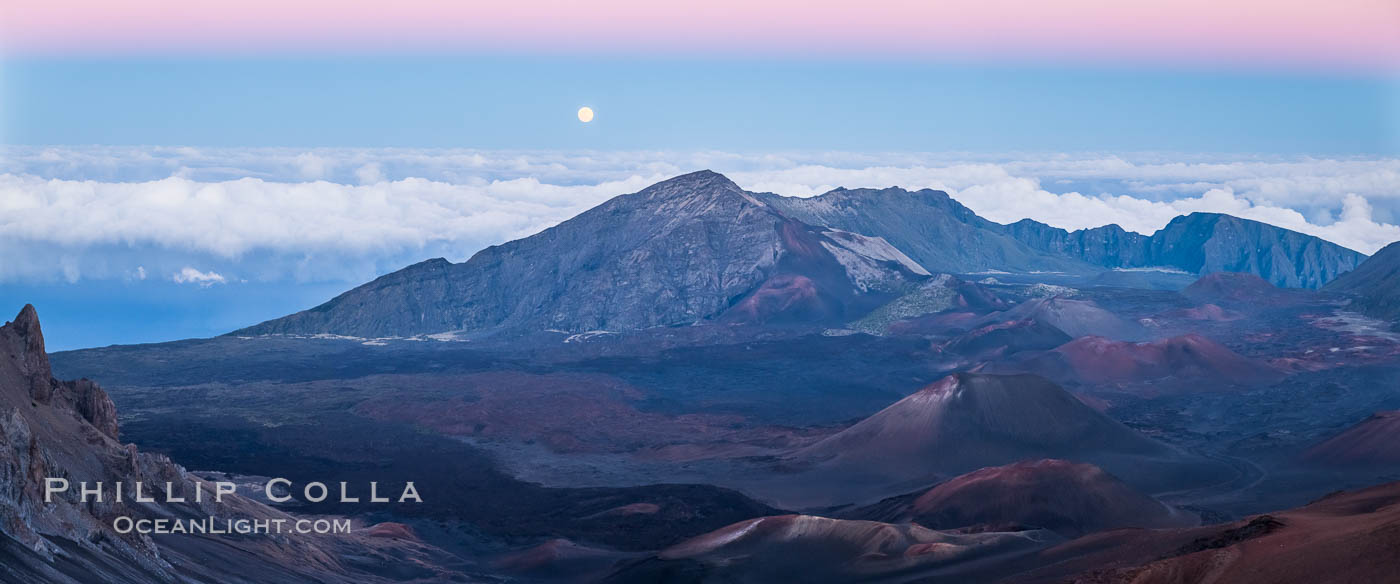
[68, 429]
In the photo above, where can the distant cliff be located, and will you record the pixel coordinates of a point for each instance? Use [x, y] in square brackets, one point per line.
[1201, 243]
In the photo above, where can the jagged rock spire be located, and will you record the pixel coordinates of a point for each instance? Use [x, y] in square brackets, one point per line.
[25, 340]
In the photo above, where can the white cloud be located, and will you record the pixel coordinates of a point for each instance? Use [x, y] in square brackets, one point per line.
[188, 275]
[349, 214]
[271, 230]
[370, 174]
[313, 166]
[233, 218]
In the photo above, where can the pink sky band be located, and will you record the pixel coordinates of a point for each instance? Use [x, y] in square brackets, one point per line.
[1345, 34]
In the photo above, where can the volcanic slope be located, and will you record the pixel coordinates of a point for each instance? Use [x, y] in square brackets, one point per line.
[1069, 498]
[1374, 441]
[805, 548]
[1236, 290]
[1344, 537]
[1188, 361]
[1077, 318]
[968, 421]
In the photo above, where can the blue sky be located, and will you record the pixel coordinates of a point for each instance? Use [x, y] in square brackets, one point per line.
[97, 313]
[523, 102]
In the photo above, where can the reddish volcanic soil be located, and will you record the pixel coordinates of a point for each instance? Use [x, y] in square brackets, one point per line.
[1007, 338]
[391, 530]
[808, 285]
[977, 297]
[782, 297]
[1070, 498]
[1373, 442]
[1210, 312]
[967, 421]
[567, 412]
[629, 509]
[1076, 318]
[1347, 537]
[1235, 288]
[561, 560]
[1096, 360]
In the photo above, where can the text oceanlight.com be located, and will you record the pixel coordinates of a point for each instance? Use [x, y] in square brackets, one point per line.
[216, 526]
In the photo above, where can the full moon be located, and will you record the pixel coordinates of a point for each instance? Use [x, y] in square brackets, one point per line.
[585, 114]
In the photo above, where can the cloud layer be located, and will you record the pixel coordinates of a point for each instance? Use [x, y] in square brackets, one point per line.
[203, 216]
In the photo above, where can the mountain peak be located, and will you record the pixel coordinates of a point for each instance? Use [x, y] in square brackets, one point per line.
[700, 179]
[701, 187]
[701, 175]
[1028, 221]
[1199, 217]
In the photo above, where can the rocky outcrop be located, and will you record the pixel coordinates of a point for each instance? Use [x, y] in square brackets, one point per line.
[90, 402]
